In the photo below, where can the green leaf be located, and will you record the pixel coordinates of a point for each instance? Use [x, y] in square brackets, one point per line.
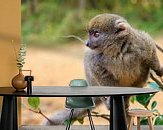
[66, 122]
[153, 105]
[19, 64]
[150, 97]
[23, 62]
[20, 60]
[133, 99]
[34, 102]
[144, 99]
[154, 85]
[159, 120]
[155, 111]
[144, 121]
[22, 49]
[80, 120]
[22, 52]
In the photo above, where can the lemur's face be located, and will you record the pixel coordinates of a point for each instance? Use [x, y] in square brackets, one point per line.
[104, 29]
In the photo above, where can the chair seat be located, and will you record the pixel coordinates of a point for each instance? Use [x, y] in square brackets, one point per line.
[140, 113]
[79, 102]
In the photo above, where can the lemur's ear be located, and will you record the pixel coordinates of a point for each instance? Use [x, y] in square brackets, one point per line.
[120, 24]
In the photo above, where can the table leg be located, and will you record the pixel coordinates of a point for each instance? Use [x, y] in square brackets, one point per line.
[9, 113]
[117, 113]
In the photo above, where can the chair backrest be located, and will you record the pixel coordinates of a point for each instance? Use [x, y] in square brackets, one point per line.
[78, 83]
[79, 102]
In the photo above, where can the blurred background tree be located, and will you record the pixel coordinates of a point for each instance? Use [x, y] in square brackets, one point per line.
[44, 22]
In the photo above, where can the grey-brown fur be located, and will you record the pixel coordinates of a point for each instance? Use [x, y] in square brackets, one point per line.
[122, 59]
[120, 56]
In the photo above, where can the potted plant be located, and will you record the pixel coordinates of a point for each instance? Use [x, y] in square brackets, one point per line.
[18, 81]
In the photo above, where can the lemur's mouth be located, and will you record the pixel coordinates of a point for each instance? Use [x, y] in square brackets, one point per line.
[88, 44]
[93, 47]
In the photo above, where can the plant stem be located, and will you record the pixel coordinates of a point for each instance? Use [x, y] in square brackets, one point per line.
[51, 122]
[147, 107]
[105, 116]
[102, 116]
[76, 37]
[156, 80]
[42, 114]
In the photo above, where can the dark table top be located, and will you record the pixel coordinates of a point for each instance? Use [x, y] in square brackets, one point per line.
[65, 91]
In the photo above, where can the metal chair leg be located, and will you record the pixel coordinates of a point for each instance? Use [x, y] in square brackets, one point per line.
[70, 117]
[90, 120]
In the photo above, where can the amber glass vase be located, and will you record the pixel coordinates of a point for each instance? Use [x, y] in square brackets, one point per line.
[18, 82]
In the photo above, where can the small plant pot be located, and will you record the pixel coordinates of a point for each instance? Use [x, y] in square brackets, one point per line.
[18, 82]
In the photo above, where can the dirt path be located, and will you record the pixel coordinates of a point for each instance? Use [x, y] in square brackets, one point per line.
[57, 66]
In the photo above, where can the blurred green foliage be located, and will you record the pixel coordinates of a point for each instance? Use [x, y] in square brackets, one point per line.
[45, 22]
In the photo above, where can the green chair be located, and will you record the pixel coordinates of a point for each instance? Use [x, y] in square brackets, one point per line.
[79, 102]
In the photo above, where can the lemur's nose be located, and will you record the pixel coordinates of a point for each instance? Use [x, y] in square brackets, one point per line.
[88, 43]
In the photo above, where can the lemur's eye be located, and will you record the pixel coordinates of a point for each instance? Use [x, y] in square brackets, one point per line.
[96, 34]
